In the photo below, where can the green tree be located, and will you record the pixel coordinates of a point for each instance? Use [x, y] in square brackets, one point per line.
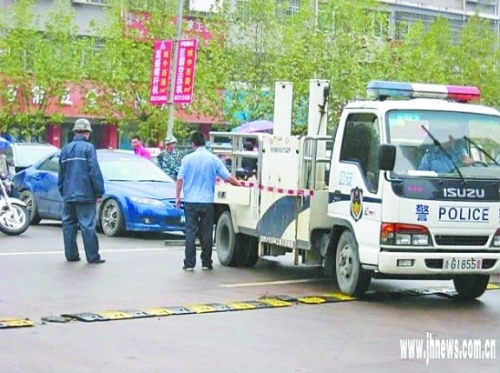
[124, 73]
[435, 55]
[424, 55]
[272, 42]
[476, 60]
[39, 60]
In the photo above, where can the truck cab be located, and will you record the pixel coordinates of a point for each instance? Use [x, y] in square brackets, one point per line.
[415, 188]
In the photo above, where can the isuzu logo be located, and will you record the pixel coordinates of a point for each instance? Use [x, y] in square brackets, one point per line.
[471, 193]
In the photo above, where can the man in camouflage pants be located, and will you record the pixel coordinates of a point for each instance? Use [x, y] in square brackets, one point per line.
[170, 158]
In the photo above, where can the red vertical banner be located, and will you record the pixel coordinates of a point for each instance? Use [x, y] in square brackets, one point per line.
[184, 71]
[162, 56]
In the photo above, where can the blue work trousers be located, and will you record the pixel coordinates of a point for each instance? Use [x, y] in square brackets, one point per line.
[83, 215]
[199, 222]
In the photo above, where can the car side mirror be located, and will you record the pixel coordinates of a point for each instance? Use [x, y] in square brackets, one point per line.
[386, 157]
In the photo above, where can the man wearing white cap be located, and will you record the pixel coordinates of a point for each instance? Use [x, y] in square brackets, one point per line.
[80, 184]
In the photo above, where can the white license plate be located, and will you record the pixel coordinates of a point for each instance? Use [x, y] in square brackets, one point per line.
[462, 265]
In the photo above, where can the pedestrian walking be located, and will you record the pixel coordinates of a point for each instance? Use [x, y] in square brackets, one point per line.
[196, 179]
[81, 185]
[139, 149]
[170, 158]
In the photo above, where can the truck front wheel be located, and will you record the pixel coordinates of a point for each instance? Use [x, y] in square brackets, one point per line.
[470, 287]
[230, 246]
[351, 277]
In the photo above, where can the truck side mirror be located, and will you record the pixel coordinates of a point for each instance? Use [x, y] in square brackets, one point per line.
[386, 157]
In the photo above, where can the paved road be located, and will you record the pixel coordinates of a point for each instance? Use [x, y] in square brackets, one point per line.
[142, 272]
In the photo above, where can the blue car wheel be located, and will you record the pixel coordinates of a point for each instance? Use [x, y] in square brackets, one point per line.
[112, 221]
[27, 197]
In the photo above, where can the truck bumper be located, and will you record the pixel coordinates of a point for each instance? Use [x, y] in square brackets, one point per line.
[432, 263]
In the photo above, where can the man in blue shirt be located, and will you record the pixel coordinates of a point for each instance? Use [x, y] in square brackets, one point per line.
[436, 160]
[196, 179]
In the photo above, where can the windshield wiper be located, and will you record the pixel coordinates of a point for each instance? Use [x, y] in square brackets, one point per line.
[445, 152]
[481, 150]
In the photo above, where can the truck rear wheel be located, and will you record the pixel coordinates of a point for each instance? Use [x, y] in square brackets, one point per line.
[252, 251]
[470, 287]
[351, 277]
[231, 248]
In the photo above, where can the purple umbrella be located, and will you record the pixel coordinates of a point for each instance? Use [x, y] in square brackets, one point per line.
[255, 126]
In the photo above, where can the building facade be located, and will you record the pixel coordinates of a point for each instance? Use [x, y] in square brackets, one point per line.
[400, 15]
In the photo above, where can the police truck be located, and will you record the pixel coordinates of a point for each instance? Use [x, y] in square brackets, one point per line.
[368, 208]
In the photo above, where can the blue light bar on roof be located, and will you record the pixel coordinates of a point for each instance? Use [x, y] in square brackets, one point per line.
[378, 89]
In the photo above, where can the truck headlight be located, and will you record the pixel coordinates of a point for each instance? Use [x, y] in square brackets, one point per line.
[404, 234]
[495, 242]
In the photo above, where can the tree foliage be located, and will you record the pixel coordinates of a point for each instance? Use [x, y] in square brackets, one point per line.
[36, 67]
[249, 48]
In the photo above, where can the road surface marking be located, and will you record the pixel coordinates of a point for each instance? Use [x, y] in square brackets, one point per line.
[100, 251]
[265, 283]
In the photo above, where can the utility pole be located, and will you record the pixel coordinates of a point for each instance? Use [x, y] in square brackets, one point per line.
[171, 106]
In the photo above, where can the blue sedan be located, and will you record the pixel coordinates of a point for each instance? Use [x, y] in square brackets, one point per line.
[139, 196]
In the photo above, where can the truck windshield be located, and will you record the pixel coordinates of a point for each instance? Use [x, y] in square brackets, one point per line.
[433, 143]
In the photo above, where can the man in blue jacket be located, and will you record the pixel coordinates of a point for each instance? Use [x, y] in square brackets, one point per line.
[81, 185]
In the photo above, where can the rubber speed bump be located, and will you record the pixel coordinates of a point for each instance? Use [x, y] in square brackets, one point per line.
[284, 298]
[257, 304]
[219, 307]
[274, 302]
[85, 316]
[127, 314]
[340, 296]
[56, 319]
[312, 300]
[240, 306]
[113, 315]
[493, 286]
[158, 311]
[15, 323]
[247, 305]
[265, 302]
[201, 308]
[180, 310]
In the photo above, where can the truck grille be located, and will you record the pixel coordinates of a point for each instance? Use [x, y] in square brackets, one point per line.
[461, 240]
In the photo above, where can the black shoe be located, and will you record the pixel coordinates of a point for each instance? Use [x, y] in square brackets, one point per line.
[189, 269]
[73, 260]
[207, 267]
[100, 261]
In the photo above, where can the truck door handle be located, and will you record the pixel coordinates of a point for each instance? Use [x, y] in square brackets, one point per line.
[337, 195]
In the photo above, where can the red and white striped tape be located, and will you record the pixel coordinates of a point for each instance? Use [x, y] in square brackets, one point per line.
[249, 184]
[290, 192]
[273, 189]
